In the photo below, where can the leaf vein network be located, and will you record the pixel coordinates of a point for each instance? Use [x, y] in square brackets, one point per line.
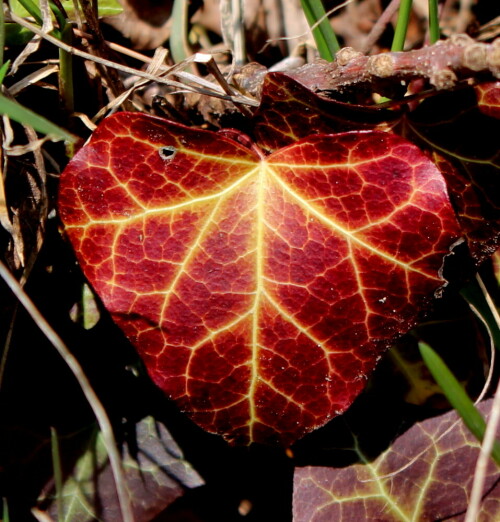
[348, 235]
[171, 208]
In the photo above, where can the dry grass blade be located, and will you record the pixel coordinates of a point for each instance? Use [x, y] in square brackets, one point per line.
[490, 433]
[34, 44]
[129, 70]
[483, 459]
[95, 403]
[32, 78]
[232, 26]
[4, 212]
[154, 66]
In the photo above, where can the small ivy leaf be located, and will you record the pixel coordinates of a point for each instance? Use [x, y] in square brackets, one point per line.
[424, 475]
[155, 471]
[288, 111]
[259, 291]
[463, 140]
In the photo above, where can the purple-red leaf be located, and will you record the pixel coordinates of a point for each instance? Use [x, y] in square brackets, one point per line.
[425, 475]
[259, 291]
[463, 137]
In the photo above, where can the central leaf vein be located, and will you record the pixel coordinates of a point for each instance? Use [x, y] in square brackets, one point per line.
[259, 254]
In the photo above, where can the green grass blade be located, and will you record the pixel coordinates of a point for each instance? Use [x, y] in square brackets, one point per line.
[21, 7]
[58, 476]
[66, 86]
[61, 20]
[105, 8]
[25, 116]
[434, 32]
[179, 45]
[5, 511]
[325, 38]
[457, 396]
[398, 42]
[3, 71]
[2, 37]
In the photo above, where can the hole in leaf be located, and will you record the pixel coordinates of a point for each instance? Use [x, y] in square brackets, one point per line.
[168, 152]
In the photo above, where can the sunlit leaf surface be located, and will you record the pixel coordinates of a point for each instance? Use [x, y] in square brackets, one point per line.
[259, 291]
[459, 129]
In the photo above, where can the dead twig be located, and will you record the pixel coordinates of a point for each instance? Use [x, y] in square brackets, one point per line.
[379, 26]
[442, 64]
[491, 429]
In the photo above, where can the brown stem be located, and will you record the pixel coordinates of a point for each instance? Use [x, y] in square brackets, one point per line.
[100, 48]
[442, 64]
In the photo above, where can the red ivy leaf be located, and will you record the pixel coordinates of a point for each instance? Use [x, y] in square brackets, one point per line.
[425, 475]
[457, 128]
[260, 292]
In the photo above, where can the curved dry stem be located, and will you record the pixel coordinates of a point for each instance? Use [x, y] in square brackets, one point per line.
[483, 459]
[490, 433]
[95, 403]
